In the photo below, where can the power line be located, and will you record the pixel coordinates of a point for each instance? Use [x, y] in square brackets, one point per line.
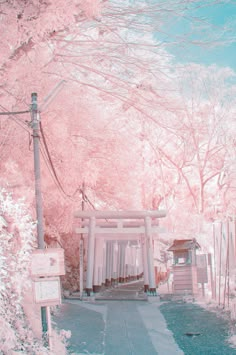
[8, 113]
[86, 199]
[49, 169]
[52, 168]
[16, 120]
[51, 163]
[47, 157]
[4, 140]
[53, 171]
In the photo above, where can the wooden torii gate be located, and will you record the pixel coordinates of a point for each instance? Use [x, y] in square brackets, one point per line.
[133, 225]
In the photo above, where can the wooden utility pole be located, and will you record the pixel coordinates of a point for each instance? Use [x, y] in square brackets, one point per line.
[38, 193]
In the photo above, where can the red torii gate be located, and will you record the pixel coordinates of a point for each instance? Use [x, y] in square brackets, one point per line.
[142, 227]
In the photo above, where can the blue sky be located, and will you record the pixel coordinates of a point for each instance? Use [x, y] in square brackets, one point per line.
[217, 16]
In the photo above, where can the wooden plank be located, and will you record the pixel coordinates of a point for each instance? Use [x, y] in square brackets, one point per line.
[182, 277]
[47, 262]
[120, 214]
[119, 223]
[189, 279]
[47, 291]
[182, 274]
[109, 230]
[184, 283]
[183, 287]
[182, 268]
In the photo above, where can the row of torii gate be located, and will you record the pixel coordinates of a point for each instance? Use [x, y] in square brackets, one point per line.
[119, 246]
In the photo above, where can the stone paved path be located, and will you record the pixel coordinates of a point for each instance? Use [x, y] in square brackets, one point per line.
[120, 322]
[117, 327]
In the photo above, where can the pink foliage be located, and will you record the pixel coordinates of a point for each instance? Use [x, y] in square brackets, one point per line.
[17, 240]
[137, 130]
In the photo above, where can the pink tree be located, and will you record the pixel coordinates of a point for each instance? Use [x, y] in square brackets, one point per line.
[106, 65]
[17, 242]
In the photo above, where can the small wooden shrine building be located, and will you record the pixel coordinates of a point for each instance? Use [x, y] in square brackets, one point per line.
[185, 266]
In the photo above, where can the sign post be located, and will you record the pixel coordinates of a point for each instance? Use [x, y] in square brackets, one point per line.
[46, 267]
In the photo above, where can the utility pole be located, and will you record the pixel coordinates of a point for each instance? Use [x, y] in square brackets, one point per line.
[38, 193]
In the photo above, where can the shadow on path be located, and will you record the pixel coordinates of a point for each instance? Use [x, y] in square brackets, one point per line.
[196, 330]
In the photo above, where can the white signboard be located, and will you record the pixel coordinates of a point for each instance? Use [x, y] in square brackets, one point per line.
[48, 262]
[47, 291]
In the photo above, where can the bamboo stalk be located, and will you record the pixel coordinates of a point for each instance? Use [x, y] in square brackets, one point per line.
[221, 237]
[226, 265]
[214, 241]
[228, 287]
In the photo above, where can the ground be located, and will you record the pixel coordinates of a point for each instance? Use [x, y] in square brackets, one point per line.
[141, 326]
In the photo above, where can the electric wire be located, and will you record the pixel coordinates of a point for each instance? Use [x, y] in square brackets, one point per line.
[43, 154]
[50, 170]
[56, 178]
[50, 161]
[16, 120]
[4, 140]
[86, 199]
[7, 113]
[46, 156]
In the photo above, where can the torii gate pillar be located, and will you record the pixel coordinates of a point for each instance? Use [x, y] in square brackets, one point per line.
[98, 264]
[145, 264]
[149, 243]
[91, 247]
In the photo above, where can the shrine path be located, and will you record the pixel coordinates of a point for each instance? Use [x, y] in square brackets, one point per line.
[117, 325]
